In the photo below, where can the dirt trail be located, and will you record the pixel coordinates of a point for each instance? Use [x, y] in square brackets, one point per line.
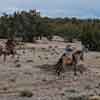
[33, 71]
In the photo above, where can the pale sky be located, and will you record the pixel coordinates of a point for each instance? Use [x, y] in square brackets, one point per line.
[55, 8]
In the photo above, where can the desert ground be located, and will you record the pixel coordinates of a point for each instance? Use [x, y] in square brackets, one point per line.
[33, 71]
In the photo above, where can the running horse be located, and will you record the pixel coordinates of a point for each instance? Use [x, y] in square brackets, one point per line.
[64, 61]
[8, 49]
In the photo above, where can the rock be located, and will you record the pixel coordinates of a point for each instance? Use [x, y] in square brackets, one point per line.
[18, 65]
[26, 93]
[29, 61]
[94, 98]
[78, 98]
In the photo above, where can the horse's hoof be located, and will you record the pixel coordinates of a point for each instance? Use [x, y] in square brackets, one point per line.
[75, 74]
[58, 73]
[81, 72]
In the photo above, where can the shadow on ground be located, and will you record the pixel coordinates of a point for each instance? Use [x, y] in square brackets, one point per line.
[49, 68]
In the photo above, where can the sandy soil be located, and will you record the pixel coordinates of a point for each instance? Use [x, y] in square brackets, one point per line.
[33, 71]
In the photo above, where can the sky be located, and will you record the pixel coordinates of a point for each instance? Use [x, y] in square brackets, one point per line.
[55, 8]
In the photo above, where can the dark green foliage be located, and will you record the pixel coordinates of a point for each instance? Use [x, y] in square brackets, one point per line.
[30, 26]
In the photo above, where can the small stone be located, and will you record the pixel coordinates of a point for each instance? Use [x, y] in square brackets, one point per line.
[18, 65]
[26, 93]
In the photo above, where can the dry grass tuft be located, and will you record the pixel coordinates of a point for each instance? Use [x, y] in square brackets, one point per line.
[26, 93]
[29, 61]
[50, 47]
[18, 65]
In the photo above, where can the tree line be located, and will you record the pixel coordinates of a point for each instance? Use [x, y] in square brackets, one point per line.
[30, 25]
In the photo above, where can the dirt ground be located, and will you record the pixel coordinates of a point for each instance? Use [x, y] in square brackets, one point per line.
[33, 71]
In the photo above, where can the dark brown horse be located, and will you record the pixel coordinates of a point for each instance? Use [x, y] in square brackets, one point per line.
[8, 49]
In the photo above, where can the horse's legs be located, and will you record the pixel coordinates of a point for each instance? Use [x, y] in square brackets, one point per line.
[74, 64]
[59, 69]
[63, 67]
[58, 72]
[75, 69]
[5, 55]
[76, 61]
[13, 55]
[59, 66]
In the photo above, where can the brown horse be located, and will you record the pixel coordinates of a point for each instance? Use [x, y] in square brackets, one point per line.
[77, 56]
[7, 49]
[67, 61]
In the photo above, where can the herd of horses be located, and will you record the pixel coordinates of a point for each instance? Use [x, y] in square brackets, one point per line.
[77, 55]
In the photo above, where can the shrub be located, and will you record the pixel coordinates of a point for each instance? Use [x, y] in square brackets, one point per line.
[26, 93]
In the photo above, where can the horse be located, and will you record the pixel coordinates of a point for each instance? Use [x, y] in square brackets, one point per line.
[77, 56]
[7, 50]
[69, 61]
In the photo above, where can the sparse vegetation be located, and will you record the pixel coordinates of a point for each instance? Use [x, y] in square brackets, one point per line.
[97, 57]
[16, 61]
[12, 79]
[88, 87]
[26, 93]
[18, 65]
[78, 98]
[5, 88]
[31, 26]
[46, 58]
[40, 76]
[29, 61]
[71, 91]
[94, 98]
